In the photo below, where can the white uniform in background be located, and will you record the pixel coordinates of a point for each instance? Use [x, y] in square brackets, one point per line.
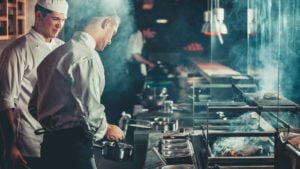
[17, 78]
[136, 44]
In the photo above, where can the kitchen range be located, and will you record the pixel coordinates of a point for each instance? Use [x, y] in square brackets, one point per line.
[223, 121]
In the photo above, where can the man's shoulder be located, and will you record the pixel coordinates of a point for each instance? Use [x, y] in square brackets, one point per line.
[19, 43]
[16, 46]
[80, 50]
[58, 41]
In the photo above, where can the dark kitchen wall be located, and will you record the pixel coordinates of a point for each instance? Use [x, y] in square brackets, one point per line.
[185, 21]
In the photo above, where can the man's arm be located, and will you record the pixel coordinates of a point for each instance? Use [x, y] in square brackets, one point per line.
[8, 129]
[141, 59]
[11, 74]
[137, 46]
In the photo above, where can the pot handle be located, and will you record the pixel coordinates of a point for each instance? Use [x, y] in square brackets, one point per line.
[121, 141]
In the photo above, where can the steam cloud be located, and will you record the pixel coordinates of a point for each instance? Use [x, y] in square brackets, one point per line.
[114, 56]
[276, 62]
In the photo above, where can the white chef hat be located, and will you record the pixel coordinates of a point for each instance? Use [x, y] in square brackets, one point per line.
[60, 6]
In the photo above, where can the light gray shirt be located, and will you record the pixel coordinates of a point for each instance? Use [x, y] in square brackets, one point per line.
[135, 44]
[17, 78]
[69, 88]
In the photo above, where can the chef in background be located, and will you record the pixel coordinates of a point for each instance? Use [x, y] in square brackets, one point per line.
[17, 77]
[67, 97]
[137, 61]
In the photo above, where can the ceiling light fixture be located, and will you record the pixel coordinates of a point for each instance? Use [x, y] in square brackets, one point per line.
[251, 29]
[161, 21]
[205, 27]
[148, 4]
[219, 13]
[213, 18]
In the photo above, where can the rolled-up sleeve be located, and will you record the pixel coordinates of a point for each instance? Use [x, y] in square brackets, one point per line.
[87, 78]
[137, 43]
[11, 74]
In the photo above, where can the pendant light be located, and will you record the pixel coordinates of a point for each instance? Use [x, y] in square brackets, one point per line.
[219, 13]
[207, 19]
[205, 27]
[251, 29]
[214, 18]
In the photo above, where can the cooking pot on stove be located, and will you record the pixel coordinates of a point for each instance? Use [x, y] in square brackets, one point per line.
[180, 166]
[117, 151]
[158, 124]
[165, 124]
[153, 97]
[161, 70]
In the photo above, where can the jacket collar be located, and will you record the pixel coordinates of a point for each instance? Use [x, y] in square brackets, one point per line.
[86, 38]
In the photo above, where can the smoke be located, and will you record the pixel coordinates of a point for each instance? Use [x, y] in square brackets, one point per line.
[237, 55]
[235, 16]
[114, 56]
[272, 52]
[276, 57]
[249, 121]
[239, 146]
[229, 146]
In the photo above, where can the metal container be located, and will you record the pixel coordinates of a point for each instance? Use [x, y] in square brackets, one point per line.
[165, 124]
[180, 166]
[116, 151]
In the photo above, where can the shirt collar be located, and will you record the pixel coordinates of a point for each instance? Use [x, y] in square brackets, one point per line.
[41, 38]
[37, 35]
[86, 38]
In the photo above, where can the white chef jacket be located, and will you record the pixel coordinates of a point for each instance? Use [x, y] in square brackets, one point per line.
[136, 43]
[69, 88]
[17, 78]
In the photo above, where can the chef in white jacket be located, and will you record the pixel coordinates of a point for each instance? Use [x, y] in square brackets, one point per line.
[67, 97]
[17, 78]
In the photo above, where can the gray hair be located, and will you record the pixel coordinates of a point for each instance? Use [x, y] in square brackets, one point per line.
[115, 19]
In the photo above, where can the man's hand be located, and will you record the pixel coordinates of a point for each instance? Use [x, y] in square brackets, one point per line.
[151, 65]
[16, 157]
[114, 133]
[148, 33]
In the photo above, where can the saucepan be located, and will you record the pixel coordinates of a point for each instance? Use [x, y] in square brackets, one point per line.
[158, 124]
[116, 151]
[180, 166]
[153, 97]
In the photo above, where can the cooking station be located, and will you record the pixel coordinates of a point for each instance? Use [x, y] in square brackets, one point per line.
[222, 122]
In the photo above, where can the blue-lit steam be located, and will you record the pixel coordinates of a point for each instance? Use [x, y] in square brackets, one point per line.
[276, 59]
[113, 57]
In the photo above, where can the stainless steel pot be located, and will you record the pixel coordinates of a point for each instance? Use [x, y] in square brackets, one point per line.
[153, 97]
[165, 124]
[158, 124]
[180, 166]
[117, 151]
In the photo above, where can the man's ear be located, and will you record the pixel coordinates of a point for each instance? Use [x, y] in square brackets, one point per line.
[38, 15]
[105, 23]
